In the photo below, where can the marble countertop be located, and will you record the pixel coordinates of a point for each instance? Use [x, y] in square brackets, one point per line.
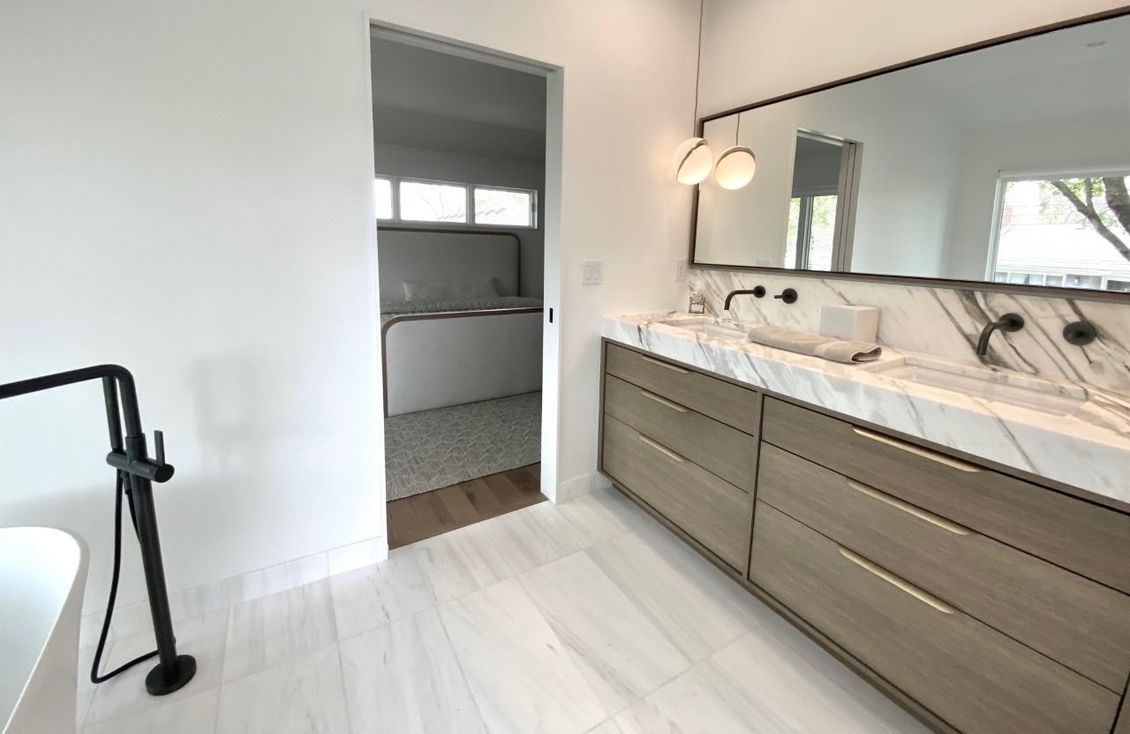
[1089, 448]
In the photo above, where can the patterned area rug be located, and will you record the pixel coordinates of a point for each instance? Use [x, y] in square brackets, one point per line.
[445, 446]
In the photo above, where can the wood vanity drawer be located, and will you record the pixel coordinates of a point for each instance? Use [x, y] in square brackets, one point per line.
[712, 511]
[1082, 624]
[733, 405]
[715, 446]
[1070, 532]
[970, 675]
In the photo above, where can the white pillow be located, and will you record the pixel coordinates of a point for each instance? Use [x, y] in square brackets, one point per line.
[464, 290]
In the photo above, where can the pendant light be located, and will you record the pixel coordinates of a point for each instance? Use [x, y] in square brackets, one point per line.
[736, 165]
[693, 159]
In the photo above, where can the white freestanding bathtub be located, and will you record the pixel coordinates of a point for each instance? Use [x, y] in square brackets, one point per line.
[42, 576]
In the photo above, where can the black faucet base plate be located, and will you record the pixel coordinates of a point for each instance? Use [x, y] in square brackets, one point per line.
[162, 681]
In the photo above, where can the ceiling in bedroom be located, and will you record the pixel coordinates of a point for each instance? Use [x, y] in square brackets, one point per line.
[428, 99]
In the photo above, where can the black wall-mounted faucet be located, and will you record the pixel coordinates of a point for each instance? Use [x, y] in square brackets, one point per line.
[756, 292]
[1008, 322]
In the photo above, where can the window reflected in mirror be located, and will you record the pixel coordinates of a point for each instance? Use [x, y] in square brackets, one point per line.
[1065, 230]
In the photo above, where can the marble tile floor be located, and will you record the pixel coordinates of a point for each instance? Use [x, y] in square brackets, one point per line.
[587, 616]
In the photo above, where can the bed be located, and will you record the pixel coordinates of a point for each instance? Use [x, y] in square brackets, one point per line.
[454, 328]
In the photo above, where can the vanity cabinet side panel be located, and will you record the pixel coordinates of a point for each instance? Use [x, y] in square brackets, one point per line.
[1084, 537]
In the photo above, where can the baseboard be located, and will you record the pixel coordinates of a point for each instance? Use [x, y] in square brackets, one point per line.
[582, 485]
[135, 618]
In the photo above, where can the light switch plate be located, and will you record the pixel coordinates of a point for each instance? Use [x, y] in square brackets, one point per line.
[680, 271]
[591, 272]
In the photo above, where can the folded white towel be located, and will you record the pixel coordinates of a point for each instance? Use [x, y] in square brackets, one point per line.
[836, 350]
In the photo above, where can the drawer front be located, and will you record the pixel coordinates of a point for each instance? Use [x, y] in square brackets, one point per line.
[1086, 538]
[1082, 624]
[715, 446]
[712, 511]
[968, 674]
[733, 405]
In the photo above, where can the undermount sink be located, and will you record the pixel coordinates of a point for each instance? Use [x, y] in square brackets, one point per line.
[709, 326]
[1002, 386]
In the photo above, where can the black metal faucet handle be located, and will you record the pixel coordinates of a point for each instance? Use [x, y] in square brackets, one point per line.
[159, 443]
[788, 295]
[1011, 322]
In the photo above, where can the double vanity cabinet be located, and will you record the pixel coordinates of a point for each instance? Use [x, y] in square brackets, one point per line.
[981, 600]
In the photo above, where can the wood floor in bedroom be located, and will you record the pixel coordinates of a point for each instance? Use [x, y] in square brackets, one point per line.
[441, 510]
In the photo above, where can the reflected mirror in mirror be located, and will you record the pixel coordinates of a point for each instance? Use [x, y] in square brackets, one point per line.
[1009, 164]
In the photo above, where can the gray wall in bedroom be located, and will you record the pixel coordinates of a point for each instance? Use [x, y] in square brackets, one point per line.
[397, 160]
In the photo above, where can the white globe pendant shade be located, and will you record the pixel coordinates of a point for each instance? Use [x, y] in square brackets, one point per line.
[735, 167]
[693, 161]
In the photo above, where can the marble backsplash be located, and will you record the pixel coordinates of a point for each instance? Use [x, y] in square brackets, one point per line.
[944, 321]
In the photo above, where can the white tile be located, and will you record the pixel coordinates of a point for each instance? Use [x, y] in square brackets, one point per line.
[639, 718]
[533, 536]
[522, 676]
[191, 713]
[378, 594]
[461, 561]
[771, 680]
[601, 514]
[202, 637]
[404, 678]
[86, 689]
[266, 631]
[603, 629]
[300, 695]
[704, 700]
[356, 555]
[695, 605]
[784, 670]
[91, 628]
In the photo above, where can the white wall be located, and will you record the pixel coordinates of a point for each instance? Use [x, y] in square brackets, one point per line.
[398, 160]
[757, 49]
[909, 154]
[186, 188]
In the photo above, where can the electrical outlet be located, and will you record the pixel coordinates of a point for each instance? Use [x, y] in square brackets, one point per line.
[591, 272]
[680, 271]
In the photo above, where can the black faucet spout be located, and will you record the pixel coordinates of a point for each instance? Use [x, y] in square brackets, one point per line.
[1008, 322]
[756, 292]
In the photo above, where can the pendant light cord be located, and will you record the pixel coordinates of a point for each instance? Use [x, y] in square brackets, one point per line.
[698, 65]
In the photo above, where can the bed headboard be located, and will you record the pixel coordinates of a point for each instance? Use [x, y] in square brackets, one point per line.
[421, 254]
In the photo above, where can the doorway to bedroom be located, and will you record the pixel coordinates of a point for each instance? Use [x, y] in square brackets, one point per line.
[459, 180]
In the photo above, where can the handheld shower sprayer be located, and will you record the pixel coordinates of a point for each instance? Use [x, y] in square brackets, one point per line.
[135, 473]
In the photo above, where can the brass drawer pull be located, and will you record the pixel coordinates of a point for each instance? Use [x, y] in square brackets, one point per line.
[671, 367]
[909, 509]
[661, 449]
[917, 451]
[890, 578]
[663, 401]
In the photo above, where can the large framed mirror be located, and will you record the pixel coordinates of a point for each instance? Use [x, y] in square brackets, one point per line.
[1000, 166]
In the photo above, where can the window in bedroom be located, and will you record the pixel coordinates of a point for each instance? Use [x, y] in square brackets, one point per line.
[448, 202]
[505, 206]
[427, 201]
[382, 190]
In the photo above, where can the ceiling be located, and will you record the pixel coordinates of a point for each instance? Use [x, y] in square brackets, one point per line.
[1071, 72]
[428, 99]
